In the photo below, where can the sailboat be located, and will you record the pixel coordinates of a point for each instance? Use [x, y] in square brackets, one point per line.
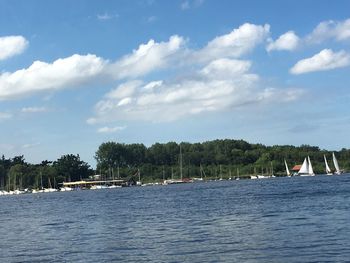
[287, 170]
[139, 175]
[181, 180]
[328, 170]
[306, 169]
[49, 189]
[336, 165]
[201, 171]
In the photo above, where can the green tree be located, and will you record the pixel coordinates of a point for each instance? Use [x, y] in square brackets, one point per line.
[71, 168]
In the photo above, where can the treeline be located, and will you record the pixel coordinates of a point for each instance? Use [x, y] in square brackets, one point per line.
[212, 159]
[16, 173]
[216, 158]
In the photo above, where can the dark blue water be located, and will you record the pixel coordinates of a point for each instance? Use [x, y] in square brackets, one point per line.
[299, 219]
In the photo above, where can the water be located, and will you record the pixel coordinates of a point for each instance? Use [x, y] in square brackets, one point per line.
[298, 219]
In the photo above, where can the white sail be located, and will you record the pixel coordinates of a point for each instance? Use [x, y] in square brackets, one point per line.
[336, 165]
[311, 170]
[304, 168]
[287, 170]
[328, 170]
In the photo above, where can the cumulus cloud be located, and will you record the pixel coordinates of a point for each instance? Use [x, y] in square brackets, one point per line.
[217, 78]
[287, 41]
[42, 76]
[239, 42]
[338, 30]
[325, 60]
[11, 46]
[79, 69]
[106, 16]
[30, 145]
[220, 85]
[147, 58]
[110, 129]
[33, 109]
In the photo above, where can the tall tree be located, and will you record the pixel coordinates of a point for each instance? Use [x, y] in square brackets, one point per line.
[71, 168]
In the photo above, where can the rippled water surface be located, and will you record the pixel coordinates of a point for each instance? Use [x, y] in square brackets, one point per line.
[298, 219]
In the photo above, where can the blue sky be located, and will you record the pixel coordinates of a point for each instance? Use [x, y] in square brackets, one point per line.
[78, 73]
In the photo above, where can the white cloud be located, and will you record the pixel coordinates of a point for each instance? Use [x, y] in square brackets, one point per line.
[106, 16]
[235, 44]
[221, 85]
[79, 69]
[41, 76]
[30, 145]
[338, 30]
[222, 68]
[11, 46]
[33, 109]
[124, 90]
[110, 129]
[287, 41]
[325, 60]
[147, 58]
[5, 116]
[216, 79]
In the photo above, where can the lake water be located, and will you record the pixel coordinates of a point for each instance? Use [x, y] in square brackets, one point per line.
[298, 219]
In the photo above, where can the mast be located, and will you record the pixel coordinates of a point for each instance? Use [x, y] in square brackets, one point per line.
[9, 183]
[271, 168]
[15, 182]
[180, 162]
[41, 180]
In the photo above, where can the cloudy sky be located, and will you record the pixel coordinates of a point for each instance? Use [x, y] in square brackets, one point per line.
[78, 73]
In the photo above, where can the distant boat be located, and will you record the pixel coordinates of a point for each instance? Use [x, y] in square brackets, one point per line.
[139, 175]
[306, 169]
[66, 189]
[336, 165]
[287, 170]
[49, 189]
[328, 170]
[181, 180]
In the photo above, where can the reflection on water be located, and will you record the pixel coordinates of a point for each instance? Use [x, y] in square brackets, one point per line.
[277, 220]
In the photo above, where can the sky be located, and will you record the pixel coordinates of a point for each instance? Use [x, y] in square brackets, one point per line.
[75, 74]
